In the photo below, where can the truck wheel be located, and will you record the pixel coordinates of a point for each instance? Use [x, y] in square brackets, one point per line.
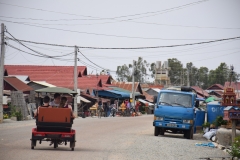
[189, 133]
[162, 131]
[156, 131]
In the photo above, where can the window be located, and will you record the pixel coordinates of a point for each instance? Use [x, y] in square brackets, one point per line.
[175, 99]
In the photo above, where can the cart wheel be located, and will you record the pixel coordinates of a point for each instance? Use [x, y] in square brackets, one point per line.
[55, 144]
[72, 149]
[33, 144]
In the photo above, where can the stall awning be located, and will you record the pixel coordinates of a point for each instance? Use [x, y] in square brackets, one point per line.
[125, 91]
[143, 101]
[82, 99]
[113, 94]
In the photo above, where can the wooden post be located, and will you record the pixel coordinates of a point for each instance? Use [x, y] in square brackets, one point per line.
[233, 129]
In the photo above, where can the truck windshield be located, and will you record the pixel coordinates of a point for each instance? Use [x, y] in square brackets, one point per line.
[175, 99]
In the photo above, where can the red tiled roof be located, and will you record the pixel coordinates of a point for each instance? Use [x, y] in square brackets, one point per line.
[15, 83]
[215, 87]
[235, 85]
[61, 76]
[44, 72]
[200, 91]
[106, 79]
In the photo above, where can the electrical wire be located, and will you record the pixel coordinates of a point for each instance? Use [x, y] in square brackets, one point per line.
[91, 61]
[56, 45]
[186, 26]
[147, 23]
[37, 51]
[157, 55]
[90, 66]
[97, 34]
[37, 55]
[170, 46]
[48, 49]
[112, 18]
[150, 47]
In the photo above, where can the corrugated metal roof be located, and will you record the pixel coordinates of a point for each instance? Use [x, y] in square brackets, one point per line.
[143, 101]
[215, 87]
[128, 86]
[148, 97]
[24, 78]
[200, 91]
[43, 83]
[156, 89]
[17, 84]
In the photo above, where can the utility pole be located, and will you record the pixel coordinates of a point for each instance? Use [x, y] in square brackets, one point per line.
[75, 83]
[1, 71]
[133, 83]
[188, 83]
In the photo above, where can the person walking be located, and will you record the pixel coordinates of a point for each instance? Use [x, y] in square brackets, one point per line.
[100, 108]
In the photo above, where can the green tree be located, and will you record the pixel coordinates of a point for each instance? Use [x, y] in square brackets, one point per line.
[152, 69]
[222, 73]
[193, 74]
[176, 71]
[203, 77]
[141, 68]
[124, 72]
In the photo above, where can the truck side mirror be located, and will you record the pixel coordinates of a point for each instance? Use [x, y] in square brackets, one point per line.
[155, 99]
[197, 104]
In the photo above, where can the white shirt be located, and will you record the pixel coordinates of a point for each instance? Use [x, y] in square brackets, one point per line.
[53, 104]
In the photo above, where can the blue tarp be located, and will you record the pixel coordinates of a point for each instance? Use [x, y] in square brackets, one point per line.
[113, 94]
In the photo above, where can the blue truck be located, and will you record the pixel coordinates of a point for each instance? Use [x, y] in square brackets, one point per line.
[174, 111]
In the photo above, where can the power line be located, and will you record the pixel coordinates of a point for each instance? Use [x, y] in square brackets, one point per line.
[96, 34]
[99, 18]
[157, 55]
[57, 45]
[48, 49]
[37, 51]
[90, 60]
[150, 47]
[37, 55]
[90, 66]
[175, 25]
[129, 20]
[179, 45]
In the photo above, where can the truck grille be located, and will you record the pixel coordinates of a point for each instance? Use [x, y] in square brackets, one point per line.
[173, 120]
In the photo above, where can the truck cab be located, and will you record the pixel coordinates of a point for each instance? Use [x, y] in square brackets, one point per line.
[174, 111]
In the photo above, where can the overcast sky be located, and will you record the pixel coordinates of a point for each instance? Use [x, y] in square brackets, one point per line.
[125, 23]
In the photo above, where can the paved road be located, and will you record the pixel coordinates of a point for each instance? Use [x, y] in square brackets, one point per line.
[117, 138]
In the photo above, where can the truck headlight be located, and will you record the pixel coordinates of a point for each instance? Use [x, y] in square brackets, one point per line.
[188, 121]
[159, 118]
